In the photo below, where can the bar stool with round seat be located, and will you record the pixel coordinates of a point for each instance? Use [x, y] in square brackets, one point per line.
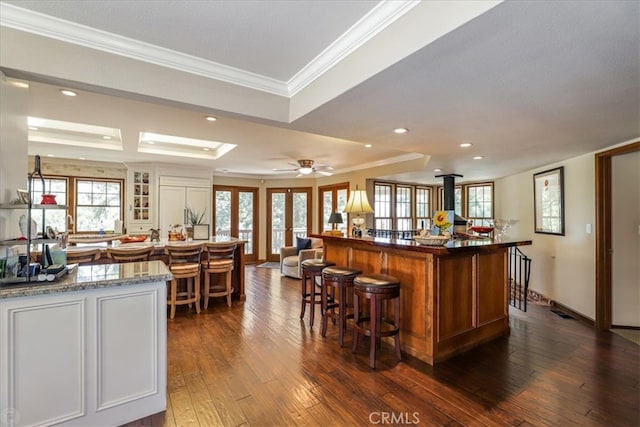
[312, 269]
[184, 263]
[340, 279]
[217, 258]
[376, 288]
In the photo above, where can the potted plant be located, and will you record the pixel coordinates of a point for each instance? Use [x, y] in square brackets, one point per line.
[194, 217]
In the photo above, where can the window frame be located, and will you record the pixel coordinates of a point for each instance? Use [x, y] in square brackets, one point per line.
[73, 207]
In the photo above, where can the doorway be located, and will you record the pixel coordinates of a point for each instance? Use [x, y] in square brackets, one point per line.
[604, 233]
[288, 216]
[235, 213]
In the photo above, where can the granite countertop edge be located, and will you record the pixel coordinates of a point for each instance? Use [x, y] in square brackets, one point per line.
[70, 284]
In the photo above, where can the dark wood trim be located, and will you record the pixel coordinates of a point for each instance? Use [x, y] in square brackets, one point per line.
[632, 328]
[603, 232]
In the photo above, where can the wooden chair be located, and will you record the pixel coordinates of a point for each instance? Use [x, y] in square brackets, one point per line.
[83, 256]
[184, 263]
[120, 254]
[217, 258]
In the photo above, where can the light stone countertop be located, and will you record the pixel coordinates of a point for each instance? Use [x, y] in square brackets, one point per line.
[93, 277]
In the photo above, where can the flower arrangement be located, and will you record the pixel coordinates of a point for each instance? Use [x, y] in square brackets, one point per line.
[176, 232]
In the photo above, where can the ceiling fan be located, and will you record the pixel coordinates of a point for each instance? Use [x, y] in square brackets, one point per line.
[306, 167]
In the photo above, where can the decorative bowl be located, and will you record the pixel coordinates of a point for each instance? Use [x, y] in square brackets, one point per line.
[481, 229]
[431, 240]
[133, 239]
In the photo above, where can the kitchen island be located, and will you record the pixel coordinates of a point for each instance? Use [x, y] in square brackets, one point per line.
[88, 349]
[452, 297]
[237, 276]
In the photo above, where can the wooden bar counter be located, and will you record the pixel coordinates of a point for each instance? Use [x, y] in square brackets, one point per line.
[452, 297]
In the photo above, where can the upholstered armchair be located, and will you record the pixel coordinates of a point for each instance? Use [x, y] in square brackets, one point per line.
[291, 258]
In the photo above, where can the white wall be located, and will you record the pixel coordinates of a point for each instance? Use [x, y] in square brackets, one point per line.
[625, 274]
[13, 151]
[563, 267]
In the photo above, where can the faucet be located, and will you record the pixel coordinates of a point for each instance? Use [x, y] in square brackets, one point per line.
[70, 223]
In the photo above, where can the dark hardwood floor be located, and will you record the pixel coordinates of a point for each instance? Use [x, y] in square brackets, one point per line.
[258, 364]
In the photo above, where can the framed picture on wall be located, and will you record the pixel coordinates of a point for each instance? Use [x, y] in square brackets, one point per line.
[548, 201]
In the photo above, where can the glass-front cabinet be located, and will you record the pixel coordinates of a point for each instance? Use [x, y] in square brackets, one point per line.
[141, 208]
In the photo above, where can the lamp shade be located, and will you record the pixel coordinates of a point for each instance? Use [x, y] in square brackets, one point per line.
[335, 218]
[358, 202]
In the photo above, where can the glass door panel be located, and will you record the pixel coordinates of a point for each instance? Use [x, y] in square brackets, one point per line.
[289, 216]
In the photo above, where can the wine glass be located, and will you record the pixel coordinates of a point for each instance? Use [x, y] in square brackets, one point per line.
[502, 225]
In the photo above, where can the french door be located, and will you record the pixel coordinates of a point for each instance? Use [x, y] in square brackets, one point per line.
[235, 213]
[288, 216]
[333, 199]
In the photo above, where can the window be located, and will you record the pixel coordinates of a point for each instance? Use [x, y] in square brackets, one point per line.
[55, 218]
[235, 214]
[457, 200]
[98, 204]
[382, 206]
[423, 208]
[404, 211]
[480, 203]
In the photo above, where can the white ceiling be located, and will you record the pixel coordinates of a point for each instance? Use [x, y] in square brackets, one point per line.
[527, 82]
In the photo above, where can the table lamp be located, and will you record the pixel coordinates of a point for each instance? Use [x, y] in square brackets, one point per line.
[334, 219]
[358, 203]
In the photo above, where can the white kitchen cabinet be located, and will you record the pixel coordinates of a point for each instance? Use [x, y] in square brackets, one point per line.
[140, 200]
[83, 358]
[176, 194]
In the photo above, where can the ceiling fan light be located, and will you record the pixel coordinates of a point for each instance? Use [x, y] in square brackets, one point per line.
[305, 170]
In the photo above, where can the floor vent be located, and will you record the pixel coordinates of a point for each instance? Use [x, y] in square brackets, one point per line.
[561, 314]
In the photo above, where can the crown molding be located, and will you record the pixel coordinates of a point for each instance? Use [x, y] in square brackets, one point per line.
[70, 32]
[366, 28]
[373, 23]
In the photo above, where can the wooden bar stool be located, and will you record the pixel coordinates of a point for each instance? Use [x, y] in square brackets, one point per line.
[184, 263]
[83, 256]
[376, 288]
[312, 269]
[119, 255]
[217, 258]
[341, 279]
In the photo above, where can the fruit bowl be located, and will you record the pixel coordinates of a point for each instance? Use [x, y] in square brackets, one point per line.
[481, 229]
[431, 240]
[133, 239]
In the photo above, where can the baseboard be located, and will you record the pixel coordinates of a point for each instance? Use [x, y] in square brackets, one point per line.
[580, 317]
[635, 328]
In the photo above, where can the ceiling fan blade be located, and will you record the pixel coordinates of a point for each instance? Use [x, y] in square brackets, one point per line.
[324, 172]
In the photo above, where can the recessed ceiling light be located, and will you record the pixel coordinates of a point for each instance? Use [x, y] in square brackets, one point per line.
[106, 137]
[151, 142]
[210, 119]
[205, 149]
[466, 144]
[68, 92]
[51, 155]
[82, 158]
[32, 128]
[478, 157]
[437, 170]
[22, 85]
[368, 145]
[400, 130]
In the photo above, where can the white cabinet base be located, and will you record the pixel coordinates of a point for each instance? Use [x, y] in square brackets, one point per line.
[93, 357]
